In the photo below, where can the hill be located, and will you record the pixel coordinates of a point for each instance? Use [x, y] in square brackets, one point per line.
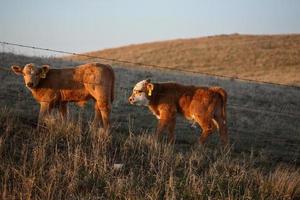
[271, 58]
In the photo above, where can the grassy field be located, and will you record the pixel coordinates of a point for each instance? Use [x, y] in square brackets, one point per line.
[70, 160]
[271, 58]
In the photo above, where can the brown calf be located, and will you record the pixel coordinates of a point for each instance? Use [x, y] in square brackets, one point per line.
[206, 106]
[55, 87]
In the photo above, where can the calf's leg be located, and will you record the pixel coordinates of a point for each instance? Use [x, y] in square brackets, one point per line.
[105, 108]
[63, 109]
[171, 128]
[162, 124]
[98, 117]
[222, 129]
[44, 110]
[167, 119]
[220, 119]
[102, 95]
[206, 125]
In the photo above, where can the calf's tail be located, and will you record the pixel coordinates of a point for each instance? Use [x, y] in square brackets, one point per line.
[223, 94]
[112, 93]
[223, 130]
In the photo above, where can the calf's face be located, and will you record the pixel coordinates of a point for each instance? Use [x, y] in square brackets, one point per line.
[31, 73]
[141, 93]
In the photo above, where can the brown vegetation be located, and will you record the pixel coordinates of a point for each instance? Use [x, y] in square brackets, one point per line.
[69, 160]
[271, 58]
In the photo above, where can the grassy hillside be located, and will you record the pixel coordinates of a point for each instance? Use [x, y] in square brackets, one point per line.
[260, 116]
[70, 160]
[274, 58]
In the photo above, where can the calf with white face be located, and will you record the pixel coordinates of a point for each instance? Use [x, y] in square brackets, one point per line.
[206, 106]
[139, 93]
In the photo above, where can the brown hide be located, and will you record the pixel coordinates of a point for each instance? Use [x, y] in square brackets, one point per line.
[89, 81]
[206, 106]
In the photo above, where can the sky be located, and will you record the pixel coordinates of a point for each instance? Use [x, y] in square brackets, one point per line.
[88, 25]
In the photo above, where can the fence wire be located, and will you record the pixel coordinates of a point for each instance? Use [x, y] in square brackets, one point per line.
[295, 115]
[172, 68]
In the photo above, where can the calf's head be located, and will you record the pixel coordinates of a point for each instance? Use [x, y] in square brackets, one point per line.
[31, 73]
[141, 93]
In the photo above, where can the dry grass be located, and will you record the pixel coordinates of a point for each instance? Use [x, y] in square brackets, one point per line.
[69, 160]
[271, 58]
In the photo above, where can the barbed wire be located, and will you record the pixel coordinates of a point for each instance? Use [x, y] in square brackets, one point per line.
[238, 107]
[230, 105]
[171, 68]
[5, 69]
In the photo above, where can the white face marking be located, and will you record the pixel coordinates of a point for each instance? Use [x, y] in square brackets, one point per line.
[140, 85]
[141, 99]
[138, 96]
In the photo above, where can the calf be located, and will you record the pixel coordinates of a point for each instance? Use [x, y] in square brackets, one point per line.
[56, 87]
[206, 106]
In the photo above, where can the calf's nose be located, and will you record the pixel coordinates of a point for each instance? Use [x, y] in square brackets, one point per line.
[130, 99]
[30, 84]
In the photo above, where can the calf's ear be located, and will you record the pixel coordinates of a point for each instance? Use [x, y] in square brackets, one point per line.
[17, 69]
[150, 88]
[45, 70]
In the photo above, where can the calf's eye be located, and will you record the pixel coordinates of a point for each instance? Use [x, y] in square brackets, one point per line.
[137, 92]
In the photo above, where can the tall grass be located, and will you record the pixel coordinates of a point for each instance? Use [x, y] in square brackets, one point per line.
[72, 160]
